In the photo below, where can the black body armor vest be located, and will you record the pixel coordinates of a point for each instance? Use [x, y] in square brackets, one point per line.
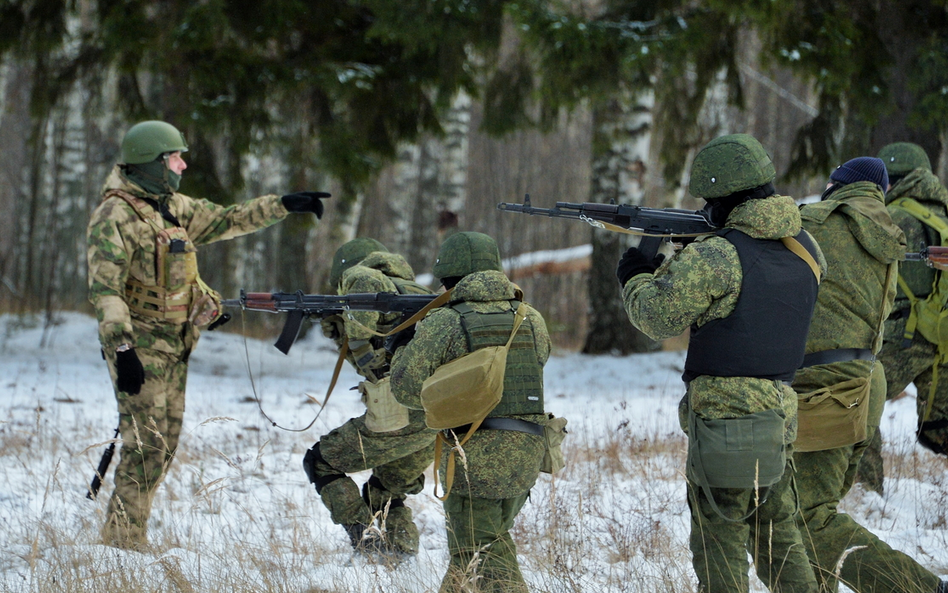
[765, 335]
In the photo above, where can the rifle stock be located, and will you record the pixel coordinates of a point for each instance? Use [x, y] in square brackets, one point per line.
[934, 256]
[104, 463]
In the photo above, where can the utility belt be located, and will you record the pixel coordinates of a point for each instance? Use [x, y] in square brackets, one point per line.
[838, 355]
[498, 424]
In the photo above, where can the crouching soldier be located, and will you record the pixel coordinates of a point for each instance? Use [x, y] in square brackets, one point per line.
[502, 458]
[388, 439]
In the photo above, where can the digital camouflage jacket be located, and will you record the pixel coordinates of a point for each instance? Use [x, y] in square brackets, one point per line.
[500, 463]
[923, 187]
[122, 248]
[860, 241]
[702, 282]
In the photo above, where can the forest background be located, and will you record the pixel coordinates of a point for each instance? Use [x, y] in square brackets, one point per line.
[421, 115]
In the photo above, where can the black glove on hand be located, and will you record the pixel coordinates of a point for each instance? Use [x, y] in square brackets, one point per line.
[130, 372]
[393, 343]
[224, 318]
[305, 201]
[633, 262]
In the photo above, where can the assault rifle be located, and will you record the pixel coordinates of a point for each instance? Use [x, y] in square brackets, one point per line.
[933, 256]
[654, 224]
[299, 305]
[103, 467]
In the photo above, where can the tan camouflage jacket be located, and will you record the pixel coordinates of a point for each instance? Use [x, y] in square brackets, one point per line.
[702, 282]
[122, 248]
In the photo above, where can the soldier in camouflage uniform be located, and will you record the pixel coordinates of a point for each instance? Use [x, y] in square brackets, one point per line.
[862, 246]
[503, 458]
[396, 457]
[748, 300]
[910, 176]
[150, 302]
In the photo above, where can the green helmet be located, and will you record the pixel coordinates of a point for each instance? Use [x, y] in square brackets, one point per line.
[148, 140]
[465, 253]
[730, 164]
[351, 254]
[901, 158]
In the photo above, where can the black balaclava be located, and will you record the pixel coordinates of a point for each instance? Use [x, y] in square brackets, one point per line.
[719, 209]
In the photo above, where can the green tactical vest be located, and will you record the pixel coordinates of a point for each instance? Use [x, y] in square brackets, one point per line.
[523, 378]
[929, 314]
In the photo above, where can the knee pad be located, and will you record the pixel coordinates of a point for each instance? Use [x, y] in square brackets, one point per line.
[939, 446]
[318, 470]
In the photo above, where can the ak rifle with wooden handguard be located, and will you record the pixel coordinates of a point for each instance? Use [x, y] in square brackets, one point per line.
[933, 256]
[299, 305]
[653, 224]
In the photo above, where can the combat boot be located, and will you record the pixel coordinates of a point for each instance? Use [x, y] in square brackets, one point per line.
[365, 540]
[401, 533]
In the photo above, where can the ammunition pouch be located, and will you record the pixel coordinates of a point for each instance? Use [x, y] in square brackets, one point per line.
[746, 452]
[554, 431]
[833, 416]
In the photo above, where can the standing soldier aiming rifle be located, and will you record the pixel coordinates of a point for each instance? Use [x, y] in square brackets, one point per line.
[150, 302]
[747, 293]
[842, 387]
[388, 439]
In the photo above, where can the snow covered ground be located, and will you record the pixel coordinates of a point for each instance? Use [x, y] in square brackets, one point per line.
[237, 513]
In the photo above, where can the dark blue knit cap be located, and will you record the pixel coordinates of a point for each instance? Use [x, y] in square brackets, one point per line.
[864, 168]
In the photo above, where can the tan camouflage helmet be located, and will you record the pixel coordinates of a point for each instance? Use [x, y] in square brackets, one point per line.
[350, 254]
[465, 253]
[901, 158]
[148, 140]
[730, 164]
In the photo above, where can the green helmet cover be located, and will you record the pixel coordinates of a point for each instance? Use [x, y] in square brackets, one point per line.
[730, 164]
[350, 254]
[148, 140]
[465, 253]
[901, 158]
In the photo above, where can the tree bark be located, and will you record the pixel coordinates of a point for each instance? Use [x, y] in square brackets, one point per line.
[621, 135]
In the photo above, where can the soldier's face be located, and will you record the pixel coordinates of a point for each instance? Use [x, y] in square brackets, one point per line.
[175, 163]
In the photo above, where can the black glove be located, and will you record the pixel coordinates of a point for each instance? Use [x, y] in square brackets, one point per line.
[394, 342]
[130, 372]
[633, 262]
[305, 201]
[224, 318]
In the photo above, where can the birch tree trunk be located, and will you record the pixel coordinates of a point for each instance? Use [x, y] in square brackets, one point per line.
[621, 136]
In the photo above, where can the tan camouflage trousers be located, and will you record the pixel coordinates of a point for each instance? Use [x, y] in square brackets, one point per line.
[719, 547]
[483, 555]
[150, 424]
[823, 478]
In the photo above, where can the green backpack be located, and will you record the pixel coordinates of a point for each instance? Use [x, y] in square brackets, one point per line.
[929, 315]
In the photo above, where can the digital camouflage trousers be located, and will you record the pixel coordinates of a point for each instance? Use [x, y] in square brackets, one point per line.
[823, 478]
[397, 459]
[720, 547]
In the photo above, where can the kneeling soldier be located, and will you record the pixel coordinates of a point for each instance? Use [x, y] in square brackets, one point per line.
[389, 439]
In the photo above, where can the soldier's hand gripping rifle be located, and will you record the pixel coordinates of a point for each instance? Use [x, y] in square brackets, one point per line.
[299, 305]
[655, 225]
[933, 256]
